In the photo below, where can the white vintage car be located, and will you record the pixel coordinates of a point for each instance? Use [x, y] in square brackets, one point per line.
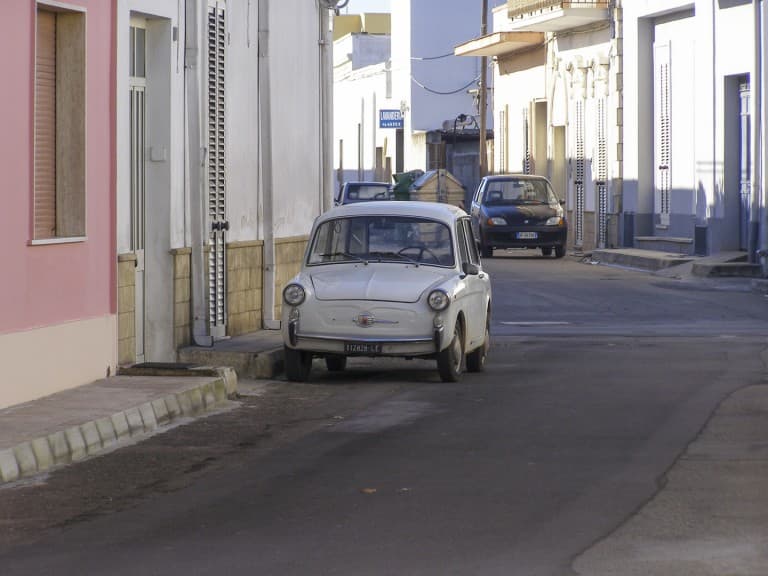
[389, 279]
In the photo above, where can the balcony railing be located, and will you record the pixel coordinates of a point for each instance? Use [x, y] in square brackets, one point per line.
[553, 15]
[520, 7]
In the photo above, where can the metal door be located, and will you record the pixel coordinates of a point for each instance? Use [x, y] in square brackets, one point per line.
[138, 189]
[745, 165]
[217, 210]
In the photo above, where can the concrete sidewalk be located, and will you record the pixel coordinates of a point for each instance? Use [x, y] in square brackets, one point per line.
[68, 426]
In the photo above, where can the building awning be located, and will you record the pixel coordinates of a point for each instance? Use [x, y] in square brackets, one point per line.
[499, 43]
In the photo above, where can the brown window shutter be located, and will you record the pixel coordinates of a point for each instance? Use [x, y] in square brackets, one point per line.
[45, 126]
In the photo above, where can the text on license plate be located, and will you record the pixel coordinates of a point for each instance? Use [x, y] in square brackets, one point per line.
[362, 347]
[527, 235]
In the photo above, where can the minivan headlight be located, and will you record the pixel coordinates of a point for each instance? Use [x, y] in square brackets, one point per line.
[497, 221]
[555, 221]
[438, 300]
[294, 294]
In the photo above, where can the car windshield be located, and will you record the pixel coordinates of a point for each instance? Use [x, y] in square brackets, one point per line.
[382, 239]
[365, 192]
[519, 191]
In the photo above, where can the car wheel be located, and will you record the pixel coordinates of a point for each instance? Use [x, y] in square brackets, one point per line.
[546, 250]
[476, 358]
[450, 361]
[559, 251]
[486, 251]
[298, 364]
[336, 363]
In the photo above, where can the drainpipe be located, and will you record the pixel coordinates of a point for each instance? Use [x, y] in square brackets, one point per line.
[194, 21]
[265, 169]
[757, 157]
[326, 106]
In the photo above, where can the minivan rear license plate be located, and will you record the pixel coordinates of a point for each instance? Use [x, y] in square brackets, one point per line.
[527, 235]
[362, 347]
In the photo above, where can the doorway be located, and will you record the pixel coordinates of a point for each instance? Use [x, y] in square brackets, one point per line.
[137, 87]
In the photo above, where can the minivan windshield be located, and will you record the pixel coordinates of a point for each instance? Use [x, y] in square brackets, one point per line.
[367, 239]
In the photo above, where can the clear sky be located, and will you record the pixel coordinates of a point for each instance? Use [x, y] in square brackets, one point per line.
[360, 6]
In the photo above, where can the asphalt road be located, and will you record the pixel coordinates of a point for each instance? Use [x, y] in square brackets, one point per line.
[598, 380]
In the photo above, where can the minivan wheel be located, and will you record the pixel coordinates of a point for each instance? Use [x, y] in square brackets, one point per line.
[450, 361]
[486, 251]
[298, 364]
[546, 250]
[559, 251]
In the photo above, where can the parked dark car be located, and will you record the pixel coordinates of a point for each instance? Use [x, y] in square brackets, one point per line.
[518, 211]
[351, 192]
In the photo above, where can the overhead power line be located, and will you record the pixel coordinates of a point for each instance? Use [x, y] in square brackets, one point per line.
[448, 93]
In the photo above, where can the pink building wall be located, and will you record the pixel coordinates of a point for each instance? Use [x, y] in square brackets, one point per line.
[56, 283]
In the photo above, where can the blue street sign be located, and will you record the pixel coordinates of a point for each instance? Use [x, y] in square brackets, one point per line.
[390, 119]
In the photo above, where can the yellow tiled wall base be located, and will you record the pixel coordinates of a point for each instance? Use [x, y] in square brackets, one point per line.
[289, 252]
[126, 307]
[182, 323]
[244, 286]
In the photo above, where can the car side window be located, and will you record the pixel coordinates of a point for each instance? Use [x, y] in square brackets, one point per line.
[474, 255]
[461, 240]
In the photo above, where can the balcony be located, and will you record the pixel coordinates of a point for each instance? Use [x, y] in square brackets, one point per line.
[555, 15]
[500, 44]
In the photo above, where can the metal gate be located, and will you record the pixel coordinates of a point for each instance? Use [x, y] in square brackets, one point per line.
[217, 212]
[602, 175]
[578, 182]
[663, 129]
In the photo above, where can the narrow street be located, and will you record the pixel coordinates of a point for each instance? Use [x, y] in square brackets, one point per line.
[598, 380]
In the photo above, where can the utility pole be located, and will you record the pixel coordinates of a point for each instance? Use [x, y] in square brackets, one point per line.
[483, 93]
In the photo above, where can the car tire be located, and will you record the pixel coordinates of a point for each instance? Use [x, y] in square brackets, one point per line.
[450, 361]
[298, 364]
[546, 250]
[336, 363]
[476, 358]
[559, 251]
[486, 251]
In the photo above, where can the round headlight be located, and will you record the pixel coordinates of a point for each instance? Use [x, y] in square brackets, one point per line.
[438, 300]
[294, 294]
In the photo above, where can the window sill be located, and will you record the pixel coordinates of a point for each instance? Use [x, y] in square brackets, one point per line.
[47, 241]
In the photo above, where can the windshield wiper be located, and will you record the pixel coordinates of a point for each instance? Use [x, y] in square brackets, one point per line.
[345, 255]
[384, 255]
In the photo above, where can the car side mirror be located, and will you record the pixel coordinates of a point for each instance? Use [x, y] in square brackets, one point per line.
[470, 268]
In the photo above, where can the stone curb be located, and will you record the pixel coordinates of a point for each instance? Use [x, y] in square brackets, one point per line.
[90, 438]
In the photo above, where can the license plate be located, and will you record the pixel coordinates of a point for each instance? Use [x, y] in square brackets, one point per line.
[527, 235]
[362, 348]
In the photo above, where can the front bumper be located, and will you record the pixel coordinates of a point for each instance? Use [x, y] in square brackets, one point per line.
[507, 237]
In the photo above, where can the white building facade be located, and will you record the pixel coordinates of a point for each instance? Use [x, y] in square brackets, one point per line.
[420, 81]
[557, 103]
[693, 83]
[224, 155]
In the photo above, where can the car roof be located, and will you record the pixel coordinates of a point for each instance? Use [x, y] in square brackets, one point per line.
[366, 183]
[434, 210]
[516, 177]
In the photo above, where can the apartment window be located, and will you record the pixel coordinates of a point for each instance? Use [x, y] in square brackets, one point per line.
[59, 154]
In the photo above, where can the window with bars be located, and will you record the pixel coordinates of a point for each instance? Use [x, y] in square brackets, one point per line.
[59, 124]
